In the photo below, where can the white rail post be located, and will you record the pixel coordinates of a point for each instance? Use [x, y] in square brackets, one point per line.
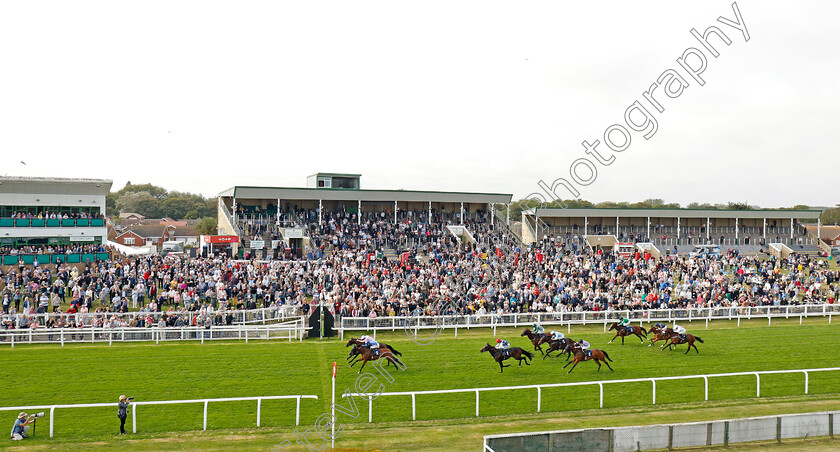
[206, 402]
[297, 411]
[476, 403]
[706, 386]
[757, 385]
[134, 418]
[52, 416]
[62, 333]
[259, 405]
[539, 399]
[601, 397]
[806, 381]
[414, 416]
[654, 390]
[370, 409]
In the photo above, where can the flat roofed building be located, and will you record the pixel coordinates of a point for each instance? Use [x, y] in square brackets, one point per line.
[672, 226]
[264, 201]
[52, 211]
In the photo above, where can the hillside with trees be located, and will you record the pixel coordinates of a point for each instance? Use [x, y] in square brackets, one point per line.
[152, 201]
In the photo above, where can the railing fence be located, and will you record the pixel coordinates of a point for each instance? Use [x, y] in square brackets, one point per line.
[417, 323]
[288, 330]
[600, 384]
[134, 405]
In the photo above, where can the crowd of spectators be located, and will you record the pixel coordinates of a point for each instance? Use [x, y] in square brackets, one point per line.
[48, 215]
[77, 248]
[433, 273]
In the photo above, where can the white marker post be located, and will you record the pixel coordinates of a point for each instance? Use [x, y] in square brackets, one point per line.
[332, 421]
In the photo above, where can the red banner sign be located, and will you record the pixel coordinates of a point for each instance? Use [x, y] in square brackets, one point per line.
[220, 238]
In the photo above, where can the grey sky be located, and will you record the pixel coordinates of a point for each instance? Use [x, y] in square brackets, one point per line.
[472, 96]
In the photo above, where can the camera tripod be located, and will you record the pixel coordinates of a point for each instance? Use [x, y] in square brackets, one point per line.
[34, 423]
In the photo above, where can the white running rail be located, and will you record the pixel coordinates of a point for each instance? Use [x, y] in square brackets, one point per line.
[134, 406]
[417, 323]
[289, 330]
[600, 385]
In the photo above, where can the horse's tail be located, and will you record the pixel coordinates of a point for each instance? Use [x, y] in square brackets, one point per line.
[394, 351]
[698, 338]
[606, 355]
[644, 331]
[527, 353]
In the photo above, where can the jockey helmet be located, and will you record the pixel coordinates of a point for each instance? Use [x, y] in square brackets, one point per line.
[498, 340]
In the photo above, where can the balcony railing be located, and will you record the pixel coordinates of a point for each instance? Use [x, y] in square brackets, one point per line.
[51, 223]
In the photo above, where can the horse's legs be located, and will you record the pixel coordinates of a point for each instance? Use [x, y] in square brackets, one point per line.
[567, 364]
[622, 340]
[573, 367]
[598, 362]
[640, 338]
[608, 365]
[616, 335]
[363, 365]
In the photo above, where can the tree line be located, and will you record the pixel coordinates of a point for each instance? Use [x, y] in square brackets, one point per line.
[152, 201]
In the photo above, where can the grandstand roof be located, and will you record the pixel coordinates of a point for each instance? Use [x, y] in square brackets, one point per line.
[54, 185]
[339, 194]
[672, 213]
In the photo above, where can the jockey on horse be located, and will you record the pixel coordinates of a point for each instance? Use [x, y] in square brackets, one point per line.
[679, 329]
[583, 346]
[539, 330]
[370, 343]
[504, 346]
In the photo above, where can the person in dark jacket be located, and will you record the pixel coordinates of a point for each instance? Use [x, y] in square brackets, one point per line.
[122, 411]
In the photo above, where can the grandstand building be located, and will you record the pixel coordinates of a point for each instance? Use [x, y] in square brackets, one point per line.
[36, 211]
[750, 231]
[245, 209]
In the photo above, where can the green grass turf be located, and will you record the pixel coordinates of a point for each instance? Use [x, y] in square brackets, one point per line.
[83, 373]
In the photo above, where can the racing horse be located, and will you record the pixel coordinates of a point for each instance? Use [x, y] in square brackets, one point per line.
[354, 341]
[561, 345]
[622, 331]
[514, 352]
[534, 338]
[355, 354]
[366, 354]
[660, 334]
[586, 355]
[675, 340]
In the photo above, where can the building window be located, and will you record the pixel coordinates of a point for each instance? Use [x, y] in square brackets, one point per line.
[129, 241]
[324, 182]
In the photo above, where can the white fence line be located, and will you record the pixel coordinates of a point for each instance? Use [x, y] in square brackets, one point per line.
[600, 383]
[288, 330]
[568, 319]
[134, 405]
[240, 316]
